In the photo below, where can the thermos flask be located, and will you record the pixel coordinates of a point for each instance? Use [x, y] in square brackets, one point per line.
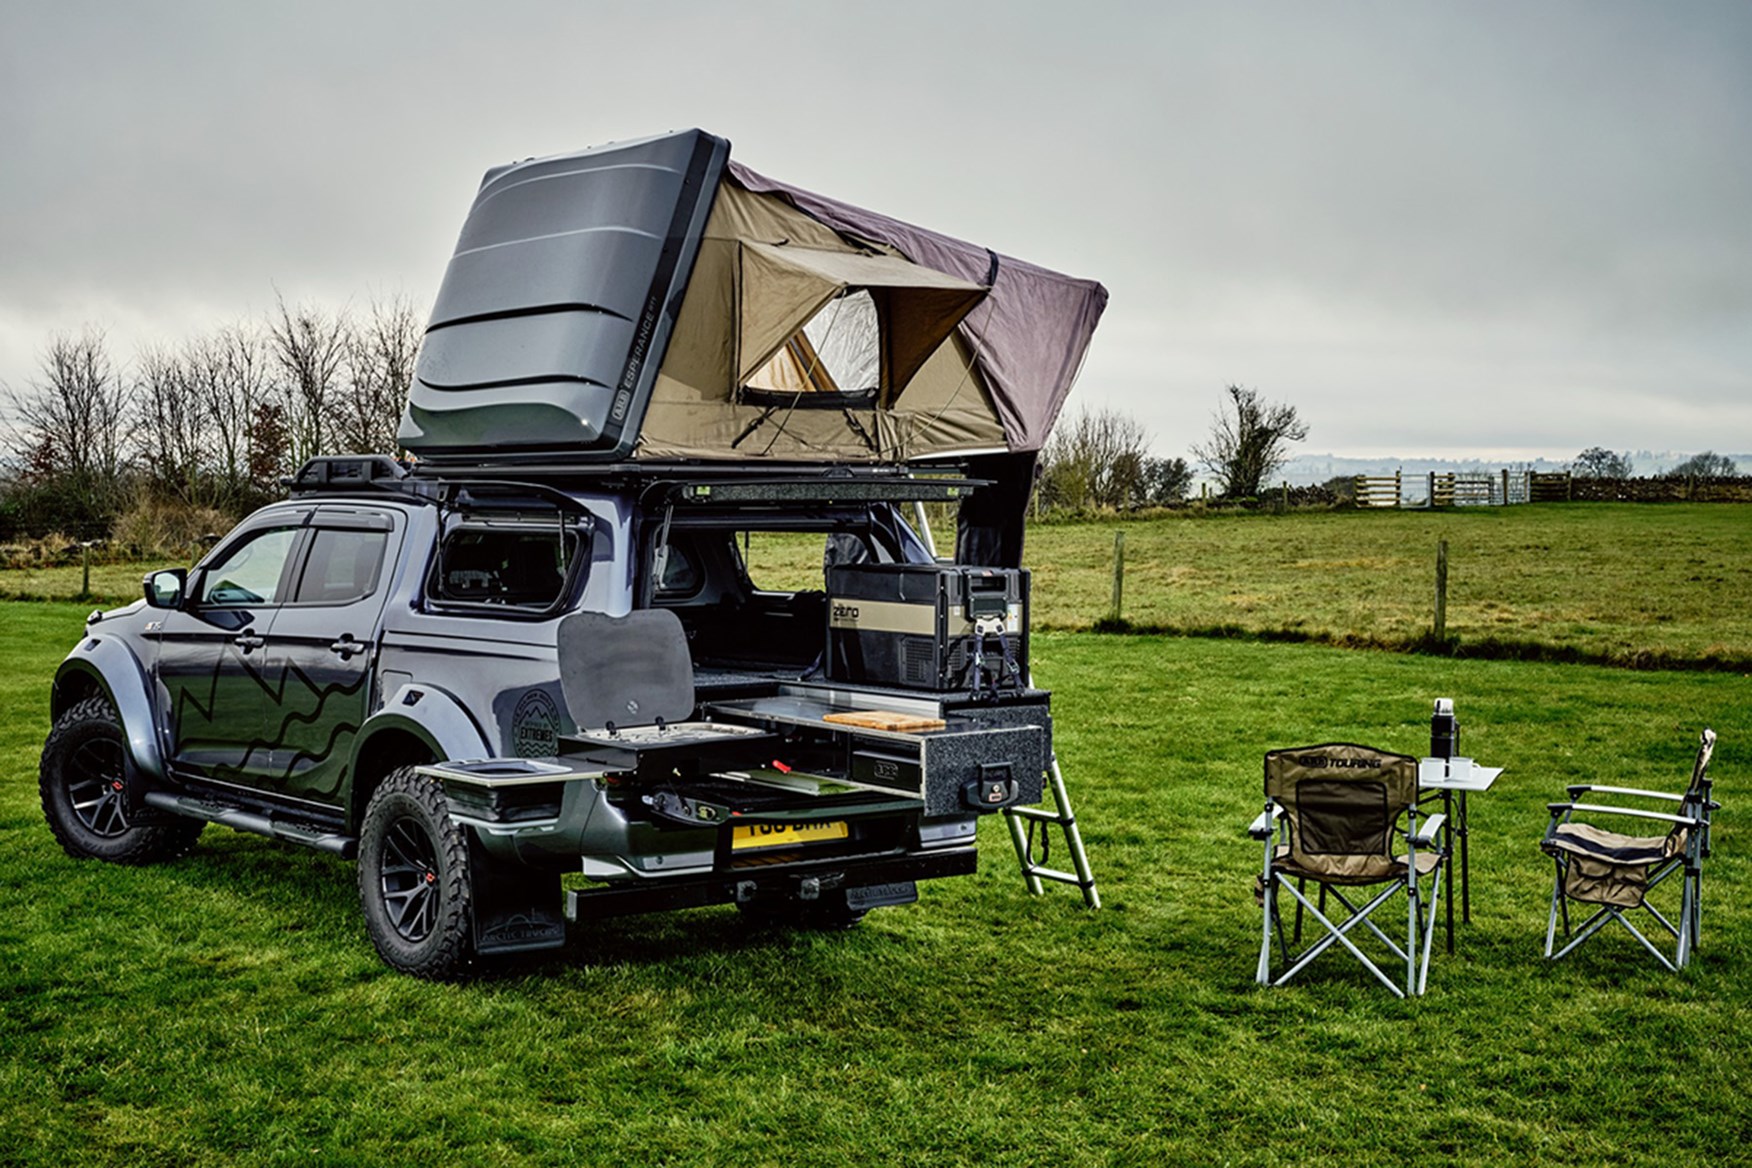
[1444, 730]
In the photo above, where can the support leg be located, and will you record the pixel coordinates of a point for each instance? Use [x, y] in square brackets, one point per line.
[1448, 810]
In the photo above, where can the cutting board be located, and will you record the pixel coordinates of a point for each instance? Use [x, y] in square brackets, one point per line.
[884, 720]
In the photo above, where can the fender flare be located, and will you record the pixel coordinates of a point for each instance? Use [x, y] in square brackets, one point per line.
[429, 714]
[115, 669]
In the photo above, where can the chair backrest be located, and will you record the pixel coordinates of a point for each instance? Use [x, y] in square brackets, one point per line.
[1699, 787]
[630, 670]
[1342, 801]
[1697, 798]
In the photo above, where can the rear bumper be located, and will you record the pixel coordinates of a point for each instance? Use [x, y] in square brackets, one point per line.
[750, 884]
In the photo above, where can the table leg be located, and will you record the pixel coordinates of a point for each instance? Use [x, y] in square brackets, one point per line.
[1448, 810]
[1465, 870]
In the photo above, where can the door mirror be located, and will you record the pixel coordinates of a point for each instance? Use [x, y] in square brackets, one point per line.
[165, 589]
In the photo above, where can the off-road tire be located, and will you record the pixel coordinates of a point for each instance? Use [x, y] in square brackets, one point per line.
[414, 878]
[828, 914]
[81, 781]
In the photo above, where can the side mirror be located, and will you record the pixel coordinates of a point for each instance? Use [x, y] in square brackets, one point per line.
[165, 589]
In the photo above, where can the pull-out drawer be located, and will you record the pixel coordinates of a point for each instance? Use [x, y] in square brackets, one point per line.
[967, 760]
[955, 772]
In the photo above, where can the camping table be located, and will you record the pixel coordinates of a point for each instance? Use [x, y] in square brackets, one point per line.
[1440, 776]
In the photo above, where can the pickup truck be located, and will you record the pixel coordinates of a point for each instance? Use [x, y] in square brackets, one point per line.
[544, 669]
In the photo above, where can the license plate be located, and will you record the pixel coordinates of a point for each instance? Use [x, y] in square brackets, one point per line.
[750, 836]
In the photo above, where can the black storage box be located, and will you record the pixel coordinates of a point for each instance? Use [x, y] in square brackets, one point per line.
[917, 626]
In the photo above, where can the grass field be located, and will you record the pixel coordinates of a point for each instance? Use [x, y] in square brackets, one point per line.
[1621, 584]
[227, 1008]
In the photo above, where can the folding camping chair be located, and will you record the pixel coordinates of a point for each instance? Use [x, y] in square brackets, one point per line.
[1345, 817]
[1615, 873]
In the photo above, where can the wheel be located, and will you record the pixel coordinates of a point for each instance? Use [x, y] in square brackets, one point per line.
[414, 878]
[80, 781]
[830, 913]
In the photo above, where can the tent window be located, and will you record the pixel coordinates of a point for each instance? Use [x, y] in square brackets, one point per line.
[836, 355]
[840, 329]
[847, 336]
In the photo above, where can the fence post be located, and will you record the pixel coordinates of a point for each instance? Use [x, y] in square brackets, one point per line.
[1118, 574]
[1286, 494]
[1441, 590]
[1505, 486]
[85, 574]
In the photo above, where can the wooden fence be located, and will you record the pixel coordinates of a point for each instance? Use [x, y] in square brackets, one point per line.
[1461, 489]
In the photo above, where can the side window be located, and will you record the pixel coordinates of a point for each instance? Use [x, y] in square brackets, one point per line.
[681, 576]
[509, 567]
[250, 573]
[342, 567]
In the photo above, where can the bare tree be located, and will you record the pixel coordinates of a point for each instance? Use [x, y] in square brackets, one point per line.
[73, 422]
[228, 372]
[1249, 441]
[309, 348]
[1096, 459]
[173, 429]
[381, 353]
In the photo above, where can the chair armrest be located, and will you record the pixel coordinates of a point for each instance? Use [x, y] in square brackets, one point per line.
[1602, 809]
[1429, 831]
[1262, 827]
[1588, 788]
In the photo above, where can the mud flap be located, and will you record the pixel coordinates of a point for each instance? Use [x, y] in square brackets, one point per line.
[516, 909]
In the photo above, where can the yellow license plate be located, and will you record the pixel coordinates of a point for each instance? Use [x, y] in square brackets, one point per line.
[749, 836]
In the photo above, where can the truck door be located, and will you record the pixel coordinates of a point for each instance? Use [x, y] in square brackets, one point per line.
[321, 649]
[210, 659]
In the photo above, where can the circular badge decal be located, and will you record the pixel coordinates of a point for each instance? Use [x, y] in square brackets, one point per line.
[535, 725]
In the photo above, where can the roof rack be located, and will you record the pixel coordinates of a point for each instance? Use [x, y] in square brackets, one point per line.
[687, 482]
[346, 472]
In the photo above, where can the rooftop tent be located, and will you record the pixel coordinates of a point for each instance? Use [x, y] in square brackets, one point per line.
[653, 300]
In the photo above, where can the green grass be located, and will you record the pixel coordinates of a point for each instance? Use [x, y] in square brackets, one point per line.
[1621, 584]
[110, 583]
[227, 1008]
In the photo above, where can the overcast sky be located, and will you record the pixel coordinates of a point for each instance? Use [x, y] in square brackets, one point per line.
[1496, 229]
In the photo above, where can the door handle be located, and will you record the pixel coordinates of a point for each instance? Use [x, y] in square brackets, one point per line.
[347, 646]
[248, 640]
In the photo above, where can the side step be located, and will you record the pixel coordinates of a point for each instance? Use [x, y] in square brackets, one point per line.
[308, 834]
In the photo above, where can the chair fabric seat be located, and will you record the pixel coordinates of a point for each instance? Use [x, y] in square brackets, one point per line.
[1350, 869]
[1607, 867]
